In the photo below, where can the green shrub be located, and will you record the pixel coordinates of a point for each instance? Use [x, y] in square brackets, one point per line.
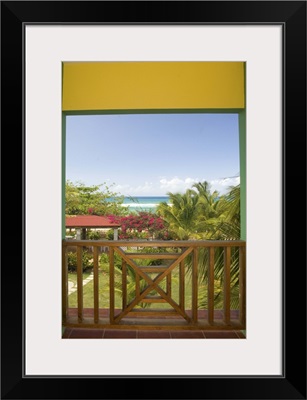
[93, 235]
[110, 234]
[104, 261]
[87, 261]
[70, 234]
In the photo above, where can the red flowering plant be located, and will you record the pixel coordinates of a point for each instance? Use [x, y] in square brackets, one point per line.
[144, 225]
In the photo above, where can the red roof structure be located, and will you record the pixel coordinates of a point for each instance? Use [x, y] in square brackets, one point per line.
[89, 221]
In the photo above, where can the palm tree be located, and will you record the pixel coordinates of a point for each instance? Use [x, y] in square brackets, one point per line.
[226, 227]
[211, 207]
[182, 214]
[201, 214]
[208, 200]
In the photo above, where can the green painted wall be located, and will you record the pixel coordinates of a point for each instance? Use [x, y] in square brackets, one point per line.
[242, 144]
[63, 172]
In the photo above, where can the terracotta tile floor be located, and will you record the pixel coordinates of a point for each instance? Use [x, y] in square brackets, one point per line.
[81, 333]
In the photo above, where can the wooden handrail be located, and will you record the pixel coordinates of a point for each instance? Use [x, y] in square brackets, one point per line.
[154, 243]
[152, 278]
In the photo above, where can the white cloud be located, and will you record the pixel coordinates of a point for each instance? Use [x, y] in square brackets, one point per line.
[121, 188]
[148, 189]
[222, 185]
[174, 185]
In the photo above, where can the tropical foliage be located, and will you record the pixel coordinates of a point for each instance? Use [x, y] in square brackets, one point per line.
[200, 213]
[142, 225]
[182, 216]
[96, 200]
[87, 261]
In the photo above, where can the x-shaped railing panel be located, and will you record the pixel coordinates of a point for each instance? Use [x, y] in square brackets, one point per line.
[153, 284]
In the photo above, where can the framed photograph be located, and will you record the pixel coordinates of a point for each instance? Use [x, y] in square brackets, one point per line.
[39, 39]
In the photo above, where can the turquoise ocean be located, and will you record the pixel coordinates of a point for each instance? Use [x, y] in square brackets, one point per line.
[144, 203]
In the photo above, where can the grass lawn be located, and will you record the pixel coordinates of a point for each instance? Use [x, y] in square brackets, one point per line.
[72, 276]
[88, 293]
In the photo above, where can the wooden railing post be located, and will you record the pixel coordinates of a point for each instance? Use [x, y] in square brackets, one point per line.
[96, 286]
[64, 285]
[169, 284]
[211, 287]
[80, 283]
[242, 285]
[195, 285]
[227, 253]
[112, 291]
[124, 283]
[137, 284]
[181, 286]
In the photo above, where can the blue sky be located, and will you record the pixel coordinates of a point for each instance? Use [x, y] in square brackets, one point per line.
[152, 154]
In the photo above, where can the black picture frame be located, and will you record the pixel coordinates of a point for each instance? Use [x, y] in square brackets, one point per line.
[292, 16]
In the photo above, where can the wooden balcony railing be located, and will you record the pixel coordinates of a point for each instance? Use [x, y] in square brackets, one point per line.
[208, 262]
